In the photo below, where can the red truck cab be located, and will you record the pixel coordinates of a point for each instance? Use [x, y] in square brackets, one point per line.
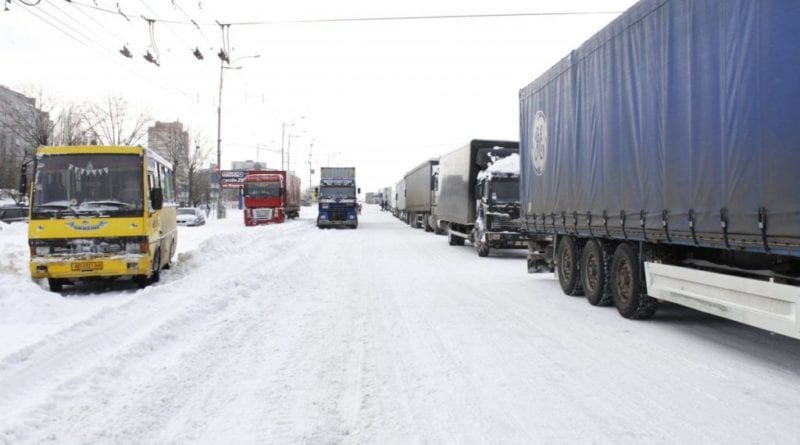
[270, 197]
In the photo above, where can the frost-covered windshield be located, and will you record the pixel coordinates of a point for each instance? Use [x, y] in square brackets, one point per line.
[333, 192]
[262, 190]
[187, 211]
[88, 184]
[505, 191]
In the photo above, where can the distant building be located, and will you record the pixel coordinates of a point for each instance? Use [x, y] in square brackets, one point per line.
[23, 127]
[171, 141]
[248, 165]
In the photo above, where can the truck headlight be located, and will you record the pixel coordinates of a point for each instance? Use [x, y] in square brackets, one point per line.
[324, 206]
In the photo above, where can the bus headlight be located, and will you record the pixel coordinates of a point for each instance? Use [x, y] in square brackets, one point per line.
[42, 250]
[137, 245]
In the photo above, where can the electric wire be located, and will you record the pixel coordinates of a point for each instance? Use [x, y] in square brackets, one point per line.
[102, 53]
[377, 19]
[194, 22]
[94, 20]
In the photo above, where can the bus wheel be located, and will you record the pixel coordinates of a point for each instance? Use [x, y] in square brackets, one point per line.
[155, 276]
[55, 284]
[569, 271]
[626, 285]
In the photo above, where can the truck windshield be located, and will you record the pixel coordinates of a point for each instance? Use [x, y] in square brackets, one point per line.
[505, 191]
[88, 185]
[262, 190]
[337, 192]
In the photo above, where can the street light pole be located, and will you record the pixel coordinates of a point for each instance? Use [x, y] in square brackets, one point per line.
[220, 207]
[310, 170]
[284, 124]
[222, 68]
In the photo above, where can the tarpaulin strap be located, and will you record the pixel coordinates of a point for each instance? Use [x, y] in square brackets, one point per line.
[589, 223]
[575, 221]
[665, 223]
[605, 223]
[622, 220]
[553, 221]
[642, 225]
[564, 221]
[535, 227]
[762, 224]
[691, 225]
[723, 221]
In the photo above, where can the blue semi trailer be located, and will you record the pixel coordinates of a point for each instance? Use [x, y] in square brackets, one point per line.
[659, 162]
[338, 197]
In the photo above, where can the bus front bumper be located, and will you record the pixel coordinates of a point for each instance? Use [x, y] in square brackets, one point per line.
[90, 267]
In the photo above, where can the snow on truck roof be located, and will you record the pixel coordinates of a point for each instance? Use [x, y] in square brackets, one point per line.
[508, 165]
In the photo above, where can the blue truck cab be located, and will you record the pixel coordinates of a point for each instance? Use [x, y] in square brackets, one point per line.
[338, 197]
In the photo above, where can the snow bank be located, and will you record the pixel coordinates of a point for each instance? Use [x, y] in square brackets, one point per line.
[508, 165]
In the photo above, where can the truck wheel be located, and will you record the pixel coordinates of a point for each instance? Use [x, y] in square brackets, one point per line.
[569, 273]
[626, 285]
[595, 269]
[55, 284]
[482, 248]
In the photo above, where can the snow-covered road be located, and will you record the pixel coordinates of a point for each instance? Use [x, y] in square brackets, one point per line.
[384, 334]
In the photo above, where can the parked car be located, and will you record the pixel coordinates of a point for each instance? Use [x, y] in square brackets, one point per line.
[191, 216]
[13, 213]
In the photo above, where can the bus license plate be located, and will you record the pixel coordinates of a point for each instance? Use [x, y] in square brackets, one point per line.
[86, 266]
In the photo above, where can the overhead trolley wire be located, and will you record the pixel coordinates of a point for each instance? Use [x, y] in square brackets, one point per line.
[90, 45]
[373, 19]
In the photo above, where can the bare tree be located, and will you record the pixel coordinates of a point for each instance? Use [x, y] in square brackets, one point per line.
[72, 126]
[199, 180]
[114, 124]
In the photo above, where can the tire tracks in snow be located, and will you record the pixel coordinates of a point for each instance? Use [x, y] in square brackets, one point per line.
[38, 381]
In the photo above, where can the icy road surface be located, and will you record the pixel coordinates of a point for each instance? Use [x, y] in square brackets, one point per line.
[385, 334]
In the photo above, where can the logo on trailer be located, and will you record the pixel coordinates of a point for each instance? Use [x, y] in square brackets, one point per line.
[539, 155]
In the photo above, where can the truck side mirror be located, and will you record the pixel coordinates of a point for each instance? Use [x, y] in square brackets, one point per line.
[359, 190]
[157, 198]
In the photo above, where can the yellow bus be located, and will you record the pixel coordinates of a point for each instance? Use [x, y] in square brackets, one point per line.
[99, 212]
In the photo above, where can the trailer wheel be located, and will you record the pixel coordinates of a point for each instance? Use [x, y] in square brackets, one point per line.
[55, 284]
[626, 285]
[569, 273]
[595, 270]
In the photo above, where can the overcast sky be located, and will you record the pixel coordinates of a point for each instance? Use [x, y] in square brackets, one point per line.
[380, 95]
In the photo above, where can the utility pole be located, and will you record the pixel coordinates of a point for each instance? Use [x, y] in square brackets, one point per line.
[310, 169]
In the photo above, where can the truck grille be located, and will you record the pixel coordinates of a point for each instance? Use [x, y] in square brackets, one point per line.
[503, 224]
[262, 213]
[338, 212]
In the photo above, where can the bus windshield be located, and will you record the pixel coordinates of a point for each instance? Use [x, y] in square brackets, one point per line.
[88, 184]
[262, 189]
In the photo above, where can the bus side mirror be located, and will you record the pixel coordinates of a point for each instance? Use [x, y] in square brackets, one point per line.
[157, 198]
